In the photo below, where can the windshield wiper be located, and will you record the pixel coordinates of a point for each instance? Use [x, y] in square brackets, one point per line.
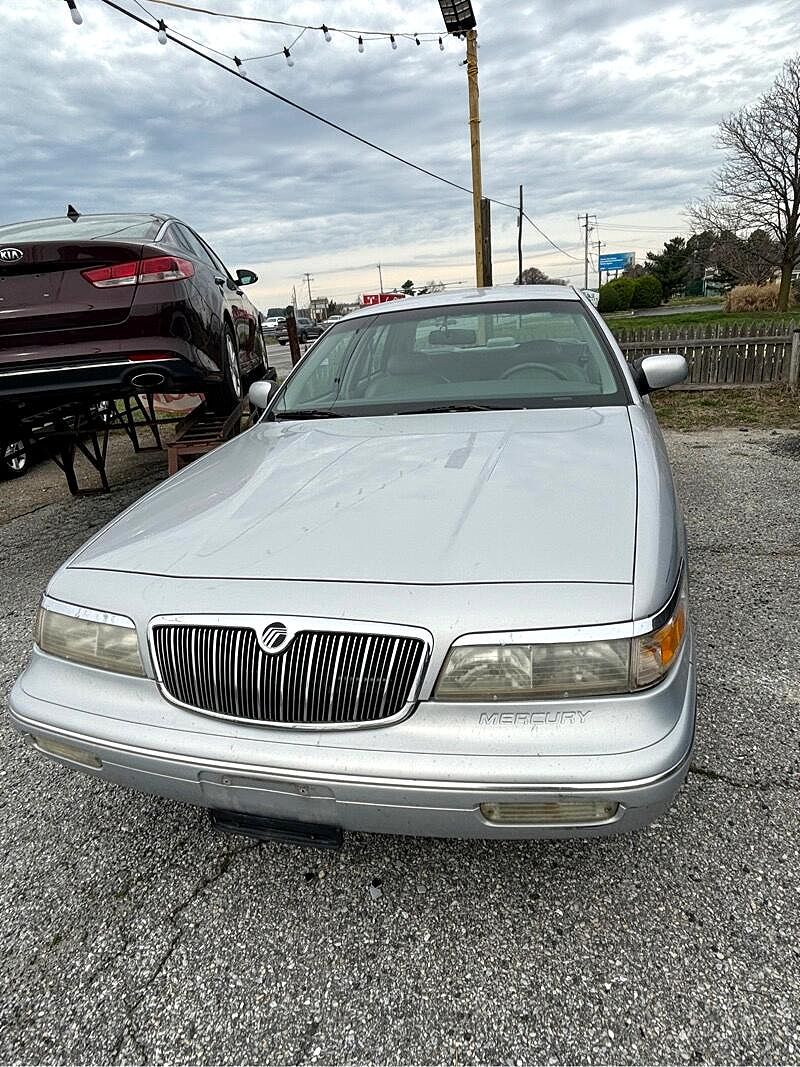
[444, 408]
[307, 413]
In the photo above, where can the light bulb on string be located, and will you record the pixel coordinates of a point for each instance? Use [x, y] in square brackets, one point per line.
[394, 43]
[416, 40]
[327, 33]
[441, 45]
[76, 16]
[162, 32]
[360, 43]
[239, 67]
[289, 60]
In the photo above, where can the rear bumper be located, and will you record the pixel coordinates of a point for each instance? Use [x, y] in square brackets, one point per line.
[32, 386]
[182, 756]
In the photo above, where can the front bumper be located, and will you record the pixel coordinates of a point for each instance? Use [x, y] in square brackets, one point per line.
[402, 779]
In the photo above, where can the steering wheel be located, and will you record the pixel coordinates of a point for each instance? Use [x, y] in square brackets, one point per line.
[539, 366]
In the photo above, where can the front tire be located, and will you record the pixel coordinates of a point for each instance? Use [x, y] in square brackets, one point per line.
[223, 397]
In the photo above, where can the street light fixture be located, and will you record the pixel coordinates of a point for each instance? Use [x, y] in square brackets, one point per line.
[459, 19]
[458, 15]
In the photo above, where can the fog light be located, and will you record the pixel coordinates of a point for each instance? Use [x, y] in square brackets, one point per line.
[577, 811]
[63, 750]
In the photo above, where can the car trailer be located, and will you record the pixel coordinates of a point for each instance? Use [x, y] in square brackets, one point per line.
[83, 427]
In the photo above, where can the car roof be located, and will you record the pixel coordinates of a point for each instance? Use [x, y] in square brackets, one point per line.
[459, 297]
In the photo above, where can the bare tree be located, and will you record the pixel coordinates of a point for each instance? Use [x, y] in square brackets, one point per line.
[534, 276]
[758, 186]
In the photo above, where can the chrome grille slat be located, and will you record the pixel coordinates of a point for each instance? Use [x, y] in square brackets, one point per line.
[322, 676]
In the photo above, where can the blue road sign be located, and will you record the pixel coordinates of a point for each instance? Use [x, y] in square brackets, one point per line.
[615, 260]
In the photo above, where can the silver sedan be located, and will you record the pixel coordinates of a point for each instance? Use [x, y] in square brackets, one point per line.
[439, 588]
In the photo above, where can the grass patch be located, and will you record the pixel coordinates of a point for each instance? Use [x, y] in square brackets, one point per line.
[619, 323]
[684, 301]
[707, 409]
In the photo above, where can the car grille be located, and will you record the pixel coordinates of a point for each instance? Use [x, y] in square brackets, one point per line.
[322, 676]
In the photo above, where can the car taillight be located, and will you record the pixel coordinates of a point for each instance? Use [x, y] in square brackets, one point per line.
[164, 269]
[119, 274]
[154, 269]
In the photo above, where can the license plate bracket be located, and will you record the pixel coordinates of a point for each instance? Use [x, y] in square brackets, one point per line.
[267, 828]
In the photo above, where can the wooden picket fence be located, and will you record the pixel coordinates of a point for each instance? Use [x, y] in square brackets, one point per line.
[724, 355]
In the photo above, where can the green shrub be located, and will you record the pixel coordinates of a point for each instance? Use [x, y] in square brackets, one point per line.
[647, 292]
[609, 298]
[626, 288]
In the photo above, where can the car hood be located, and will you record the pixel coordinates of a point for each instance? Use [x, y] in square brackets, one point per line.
[500, 496]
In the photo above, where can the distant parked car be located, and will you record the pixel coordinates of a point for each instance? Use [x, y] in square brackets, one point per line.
[272, 324]
[306, 331]
[108, 303]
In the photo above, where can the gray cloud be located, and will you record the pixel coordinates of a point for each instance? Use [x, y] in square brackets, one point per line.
[595, 105]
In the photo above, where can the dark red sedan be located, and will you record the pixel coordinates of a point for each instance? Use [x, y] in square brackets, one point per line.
[97, 305]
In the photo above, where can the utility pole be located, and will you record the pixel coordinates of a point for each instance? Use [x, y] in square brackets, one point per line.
[459, 20]
[307, 277]
[584, 220]
[380, 278]
[599, 272]
[475, 149]
[294, 297]
[519, 239]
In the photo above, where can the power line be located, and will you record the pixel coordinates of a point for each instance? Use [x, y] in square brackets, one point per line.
[430, 36]
[313, 114]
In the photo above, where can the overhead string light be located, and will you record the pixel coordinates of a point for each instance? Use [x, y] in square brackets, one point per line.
[360, 36]
[76, 16]
[288, 55]
[183, 41]
[162, 32]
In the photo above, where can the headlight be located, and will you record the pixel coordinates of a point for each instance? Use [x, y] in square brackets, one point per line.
[534, 672]
[89, 637]
[531, 671]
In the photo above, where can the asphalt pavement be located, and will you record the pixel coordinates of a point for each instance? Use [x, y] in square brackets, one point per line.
[131, 933]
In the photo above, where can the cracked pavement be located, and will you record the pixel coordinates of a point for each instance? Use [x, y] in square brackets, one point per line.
[131, 933]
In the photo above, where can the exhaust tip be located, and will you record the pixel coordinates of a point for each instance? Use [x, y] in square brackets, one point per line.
[148, 380]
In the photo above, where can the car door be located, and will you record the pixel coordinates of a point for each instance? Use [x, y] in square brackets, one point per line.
[206, 300]
[242, 312]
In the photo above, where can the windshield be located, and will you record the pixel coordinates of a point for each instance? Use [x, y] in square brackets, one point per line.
[521, 354]
[87, 227]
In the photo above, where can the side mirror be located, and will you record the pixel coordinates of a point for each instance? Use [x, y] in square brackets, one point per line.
[260, 394]
[659, 371]
[246, 277]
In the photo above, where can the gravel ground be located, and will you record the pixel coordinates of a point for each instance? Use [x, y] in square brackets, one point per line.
[129, 932]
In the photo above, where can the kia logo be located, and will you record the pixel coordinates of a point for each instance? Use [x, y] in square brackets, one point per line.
[275, 637]
[10, 255]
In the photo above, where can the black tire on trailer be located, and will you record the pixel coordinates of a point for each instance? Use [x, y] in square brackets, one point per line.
[221, 398]
[15, 457]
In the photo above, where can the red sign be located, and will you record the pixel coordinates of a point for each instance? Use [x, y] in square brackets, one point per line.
[379, 298]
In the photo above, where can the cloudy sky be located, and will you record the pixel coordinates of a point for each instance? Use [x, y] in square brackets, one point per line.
[602, 106]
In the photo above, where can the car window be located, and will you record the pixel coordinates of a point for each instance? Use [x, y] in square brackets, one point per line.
[85, 227]
[322, 381]
[173, 238]
[210, 252]
[196, 248]
[526, 353]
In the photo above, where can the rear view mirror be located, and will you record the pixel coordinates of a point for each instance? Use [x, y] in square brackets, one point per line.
[260, 394]
[659, 371]
[246, 277]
